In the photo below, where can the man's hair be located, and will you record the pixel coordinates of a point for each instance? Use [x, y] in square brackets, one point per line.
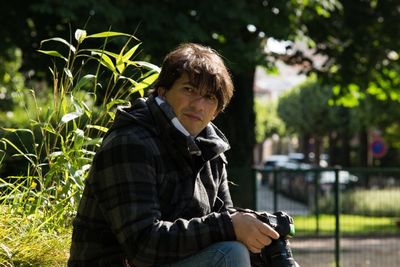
[205, 68]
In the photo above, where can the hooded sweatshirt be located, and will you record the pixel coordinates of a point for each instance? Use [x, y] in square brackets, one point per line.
[152, 196]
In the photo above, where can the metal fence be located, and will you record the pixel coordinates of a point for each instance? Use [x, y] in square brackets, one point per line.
[355, 213]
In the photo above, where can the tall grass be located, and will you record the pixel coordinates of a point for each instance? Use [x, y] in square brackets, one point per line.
[24, 243]
[65, 126]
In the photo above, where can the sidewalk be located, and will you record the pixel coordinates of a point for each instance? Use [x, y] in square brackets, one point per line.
[265, 202]
[355, 252]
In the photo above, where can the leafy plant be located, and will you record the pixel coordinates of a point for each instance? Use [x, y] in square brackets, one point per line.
[67, 125]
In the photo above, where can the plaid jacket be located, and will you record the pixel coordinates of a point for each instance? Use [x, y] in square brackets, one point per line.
[147, 201]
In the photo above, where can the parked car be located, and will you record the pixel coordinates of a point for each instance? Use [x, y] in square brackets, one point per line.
[327, 180]
[277, 160]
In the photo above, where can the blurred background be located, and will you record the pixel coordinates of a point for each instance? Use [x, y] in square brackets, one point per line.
[317, 85]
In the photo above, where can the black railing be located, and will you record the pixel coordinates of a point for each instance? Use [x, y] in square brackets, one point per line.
[317, 179]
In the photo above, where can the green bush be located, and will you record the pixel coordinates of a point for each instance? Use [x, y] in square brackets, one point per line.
[369, 202]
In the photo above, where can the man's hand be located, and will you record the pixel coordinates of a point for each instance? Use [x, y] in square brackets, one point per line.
[253, 233]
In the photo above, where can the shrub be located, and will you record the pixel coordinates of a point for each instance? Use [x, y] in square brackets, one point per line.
[369, 202]
[65, 126]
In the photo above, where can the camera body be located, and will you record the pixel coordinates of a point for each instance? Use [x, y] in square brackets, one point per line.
[278, 253]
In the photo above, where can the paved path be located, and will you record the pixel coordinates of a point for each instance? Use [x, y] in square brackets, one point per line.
[265, 202]
[355, 252]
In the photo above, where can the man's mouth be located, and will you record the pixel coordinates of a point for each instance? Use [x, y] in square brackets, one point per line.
[193, 116]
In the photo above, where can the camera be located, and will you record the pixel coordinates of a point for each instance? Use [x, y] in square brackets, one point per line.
[278, 253]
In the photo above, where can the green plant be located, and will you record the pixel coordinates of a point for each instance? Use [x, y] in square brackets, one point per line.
[371, 202]
[66, 125]
[24, 243]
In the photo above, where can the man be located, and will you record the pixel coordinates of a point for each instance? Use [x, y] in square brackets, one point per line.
[157, 193]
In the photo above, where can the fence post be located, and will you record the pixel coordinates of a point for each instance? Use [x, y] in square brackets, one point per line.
[275, 178]
[337, 218]
[316, 199]
[255, 188]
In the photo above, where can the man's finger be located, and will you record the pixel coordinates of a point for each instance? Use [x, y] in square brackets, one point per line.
[253, 249]
[268, 230]
[263, 240]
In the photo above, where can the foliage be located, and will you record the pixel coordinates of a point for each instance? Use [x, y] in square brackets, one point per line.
[267, 120]
[378, 202]
[311, 109]
[361, 43]
[63, 133]
[11, 80]
[24, 243]
[237, 30]
[306, 109]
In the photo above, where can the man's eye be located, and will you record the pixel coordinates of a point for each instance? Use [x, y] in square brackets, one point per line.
[211, 98]
[188, 90]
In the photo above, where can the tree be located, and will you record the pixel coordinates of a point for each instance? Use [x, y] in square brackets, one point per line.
[307, 112]
[237, 29]
[360, 41]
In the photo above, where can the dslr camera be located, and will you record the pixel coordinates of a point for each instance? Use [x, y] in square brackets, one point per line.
[278, 253]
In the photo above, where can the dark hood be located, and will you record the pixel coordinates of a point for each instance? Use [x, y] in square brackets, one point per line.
[137, 113]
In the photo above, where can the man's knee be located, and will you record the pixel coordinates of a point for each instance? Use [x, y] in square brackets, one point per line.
[234, 253]
[236, 247]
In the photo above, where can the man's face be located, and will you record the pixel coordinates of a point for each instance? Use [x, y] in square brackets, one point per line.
[193, 109]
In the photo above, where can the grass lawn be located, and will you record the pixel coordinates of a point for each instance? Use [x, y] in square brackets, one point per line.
[349, 225]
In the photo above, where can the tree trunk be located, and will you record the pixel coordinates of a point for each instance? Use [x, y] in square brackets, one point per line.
[305, 146]
[317, 150]
[333, 149]
[238, 122]
[345, 151]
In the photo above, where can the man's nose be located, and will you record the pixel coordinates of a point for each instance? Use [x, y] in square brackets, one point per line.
[198, 101]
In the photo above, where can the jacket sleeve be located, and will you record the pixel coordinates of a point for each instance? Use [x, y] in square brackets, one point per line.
[125, 186]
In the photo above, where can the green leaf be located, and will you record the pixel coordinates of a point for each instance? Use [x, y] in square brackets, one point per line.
[13, 130]
[100, 51]
[144, 64]
[106, 61]
[53, 53]
[130, 53]
[110, 34]
[26, 156]
[69, 74]
[111, 114]
[49, 128]
[58, 39]
[120, 64]
[97, 127]
[84, 81]
[116, 102]
[143, 84]
[72, 115]
[132, 81]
